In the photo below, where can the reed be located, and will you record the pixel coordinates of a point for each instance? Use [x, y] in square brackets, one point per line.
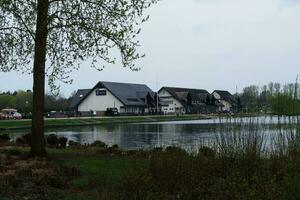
[246, 162]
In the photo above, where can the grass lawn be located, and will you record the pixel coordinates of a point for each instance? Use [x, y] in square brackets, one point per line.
[99, 175]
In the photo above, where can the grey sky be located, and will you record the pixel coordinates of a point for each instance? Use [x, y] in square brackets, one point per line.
[210, 44]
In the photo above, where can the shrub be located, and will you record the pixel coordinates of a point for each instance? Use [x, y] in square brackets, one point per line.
[4, 138]
[175, 150]
[206, 151]
[98, 143]
[62, 142]
[73, 143]
[20, 140]
[52, 140]
[115, 146]
[27, 138]
[24, 139]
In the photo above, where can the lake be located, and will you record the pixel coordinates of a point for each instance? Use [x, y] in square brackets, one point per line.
[189, 135]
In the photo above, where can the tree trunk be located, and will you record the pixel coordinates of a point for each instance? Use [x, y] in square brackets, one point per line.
[37, 139]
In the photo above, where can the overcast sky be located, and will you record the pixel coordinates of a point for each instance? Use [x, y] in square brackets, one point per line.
[209, 44]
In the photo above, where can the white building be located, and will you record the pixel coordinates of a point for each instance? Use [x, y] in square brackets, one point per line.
[227, 100]
[182, 100]
[127, 98]
[169, 103]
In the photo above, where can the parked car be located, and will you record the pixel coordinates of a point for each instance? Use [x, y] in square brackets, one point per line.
[112, 112]
[2, 117]
[56, 114]
[10, 114]
[17, 116]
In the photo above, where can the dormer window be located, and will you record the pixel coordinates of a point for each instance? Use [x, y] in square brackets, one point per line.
[101, 92]
[132, 99]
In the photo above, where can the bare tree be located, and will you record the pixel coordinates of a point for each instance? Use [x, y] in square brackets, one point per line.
[49, 38]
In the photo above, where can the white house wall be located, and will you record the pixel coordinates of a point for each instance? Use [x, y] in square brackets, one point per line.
[99, 103]
[217, 96]
[226, 104]
[173, 105]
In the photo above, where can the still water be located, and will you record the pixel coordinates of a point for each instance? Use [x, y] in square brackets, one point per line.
[189, 135]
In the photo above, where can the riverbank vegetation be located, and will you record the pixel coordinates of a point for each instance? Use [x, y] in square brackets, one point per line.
[272, 98]
[22, 101]
[242, 163]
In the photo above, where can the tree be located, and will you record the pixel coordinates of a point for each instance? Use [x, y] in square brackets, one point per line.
[23, 101]
[263, 98]
[56, 103]
[61, 34]
[6, 101]
[249, 97]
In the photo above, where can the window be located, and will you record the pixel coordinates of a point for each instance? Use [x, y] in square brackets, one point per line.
[132, 99]
[100, 92]
[168, 102]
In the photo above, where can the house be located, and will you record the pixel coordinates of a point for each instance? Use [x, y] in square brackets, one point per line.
[212, 104]
[228, 102]
[175, 100]
[127, 98]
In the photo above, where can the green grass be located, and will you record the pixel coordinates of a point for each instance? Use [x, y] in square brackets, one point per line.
[22, 124]
[97, 171]
[14, 124]
[99, 174]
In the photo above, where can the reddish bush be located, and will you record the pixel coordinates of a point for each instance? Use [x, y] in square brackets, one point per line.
[62, 142]
[4, 138]
[52, 140]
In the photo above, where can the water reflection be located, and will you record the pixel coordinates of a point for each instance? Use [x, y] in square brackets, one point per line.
[185, 134]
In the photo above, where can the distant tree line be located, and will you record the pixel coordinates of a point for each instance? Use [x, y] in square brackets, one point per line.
[22, 101]
[274, 98]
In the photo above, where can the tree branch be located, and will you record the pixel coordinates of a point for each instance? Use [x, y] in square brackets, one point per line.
[12, 27]
[23, 23]
[53, 1]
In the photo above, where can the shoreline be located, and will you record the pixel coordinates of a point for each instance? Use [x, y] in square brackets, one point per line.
[88, 121]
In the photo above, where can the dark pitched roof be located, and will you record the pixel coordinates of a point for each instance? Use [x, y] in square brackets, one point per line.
[80, 94]
[128, 93]
[182, 93]
[227, 96]
[201, 97]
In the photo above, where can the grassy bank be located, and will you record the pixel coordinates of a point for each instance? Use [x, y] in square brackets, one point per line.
[96, 173]
[23, 124]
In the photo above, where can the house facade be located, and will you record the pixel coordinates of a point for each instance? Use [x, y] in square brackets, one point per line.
[127, 98]
[175, 100]
[228, 103]
[169, 103]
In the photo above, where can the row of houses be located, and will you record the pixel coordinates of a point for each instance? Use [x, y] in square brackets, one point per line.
[139, 99]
